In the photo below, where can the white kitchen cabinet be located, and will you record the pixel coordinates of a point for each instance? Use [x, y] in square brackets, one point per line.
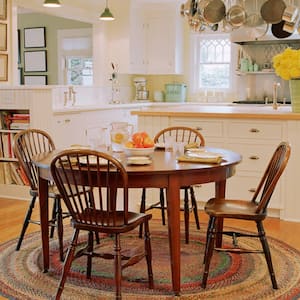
[256, 143]
[68, 129]
[255, 140]
[71, 128]
[156, 38]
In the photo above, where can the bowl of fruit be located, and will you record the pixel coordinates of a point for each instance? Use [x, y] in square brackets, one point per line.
[140, 144]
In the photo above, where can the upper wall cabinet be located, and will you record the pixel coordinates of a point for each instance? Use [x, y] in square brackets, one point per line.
[156, 38]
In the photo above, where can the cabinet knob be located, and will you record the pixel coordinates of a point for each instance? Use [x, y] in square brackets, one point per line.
[199, 128]
[252, 190]
[254, 157]
[67, 120]
[254, 130]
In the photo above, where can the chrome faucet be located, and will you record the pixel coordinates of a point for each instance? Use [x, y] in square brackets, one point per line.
[276, 86]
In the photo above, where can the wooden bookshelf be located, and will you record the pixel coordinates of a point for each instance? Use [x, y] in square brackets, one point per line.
[10, 171]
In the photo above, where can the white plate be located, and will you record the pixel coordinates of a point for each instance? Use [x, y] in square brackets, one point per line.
[92, 160]
[138, 160]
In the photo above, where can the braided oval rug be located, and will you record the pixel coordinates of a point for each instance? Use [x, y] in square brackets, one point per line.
[232, 276]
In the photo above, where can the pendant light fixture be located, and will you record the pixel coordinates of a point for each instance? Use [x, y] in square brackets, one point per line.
[51, 3]
[107, 15]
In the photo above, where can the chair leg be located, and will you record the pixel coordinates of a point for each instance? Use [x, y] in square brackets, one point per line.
[206, 241]
[267, 253]
[54, 217]
[142, 210]
[26, 222]
[162, 204]
[195, 207]
[209, 250]
[67, 264]
[60, 230]
[118, 272]
[186, 215]
[148, 255]
[90, 249]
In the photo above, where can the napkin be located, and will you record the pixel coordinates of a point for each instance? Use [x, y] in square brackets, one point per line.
[191, 146]
[205, 157]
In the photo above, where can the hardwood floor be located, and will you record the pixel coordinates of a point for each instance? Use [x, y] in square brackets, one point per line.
[12, 213]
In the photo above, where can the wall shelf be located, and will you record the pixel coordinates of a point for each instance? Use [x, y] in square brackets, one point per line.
[239, 73]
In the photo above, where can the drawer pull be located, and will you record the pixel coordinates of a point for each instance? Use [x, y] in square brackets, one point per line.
[254, 157]
[67, 120]
[199, 128]
[252, 190]
[254, 130]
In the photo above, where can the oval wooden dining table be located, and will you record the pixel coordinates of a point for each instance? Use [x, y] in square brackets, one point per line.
[164, 172]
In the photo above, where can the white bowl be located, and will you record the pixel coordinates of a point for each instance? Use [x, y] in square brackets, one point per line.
[138, 151]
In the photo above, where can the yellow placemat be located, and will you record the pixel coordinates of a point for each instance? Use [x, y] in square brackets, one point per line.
[211, 159]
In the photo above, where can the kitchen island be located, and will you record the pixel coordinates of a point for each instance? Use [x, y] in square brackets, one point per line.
[252, 130]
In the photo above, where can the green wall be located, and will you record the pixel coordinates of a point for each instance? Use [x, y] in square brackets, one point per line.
[52, 24]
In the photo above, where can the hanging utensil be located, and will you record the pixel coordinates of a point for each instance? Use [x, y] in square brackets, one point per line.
[291, 12]
[278, 31]
[254, 19]
[214, 11]
[272, 10]
[236, 16]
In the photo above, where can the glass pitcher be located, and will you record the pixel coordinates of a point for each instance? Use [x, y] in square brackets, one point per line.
[120, 133]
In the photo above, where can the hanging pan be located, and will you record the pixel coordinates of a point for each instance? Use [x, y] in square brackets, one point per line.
[272, 10]
[214, 11]
[236, 16]
[278, 31]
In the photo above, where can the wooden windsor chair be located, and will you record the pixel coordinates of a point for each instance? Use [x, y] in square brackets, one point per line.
[254, 210]
[189, 136]
[99, 211]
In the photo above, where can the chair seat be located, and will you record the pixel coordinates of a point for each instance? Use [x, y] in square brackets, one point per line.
[235, 209]
[113, 223]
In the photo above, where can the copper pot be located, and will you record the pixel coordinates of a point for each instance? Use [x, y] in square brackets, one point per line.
[272, 11]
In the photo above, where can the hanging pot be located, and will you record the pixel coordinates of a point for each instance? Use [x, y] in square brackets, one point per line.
[214, 11]
[236, 16]
[272, 10]
[278, 31]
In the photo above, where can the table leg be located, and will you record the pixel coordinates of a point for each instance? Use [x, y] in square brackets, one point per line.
[220, 189]
[173, 209]
[43, 200]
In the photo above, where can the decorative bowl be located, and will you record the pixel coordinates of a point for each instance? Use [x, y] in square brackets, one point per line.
[138, 151]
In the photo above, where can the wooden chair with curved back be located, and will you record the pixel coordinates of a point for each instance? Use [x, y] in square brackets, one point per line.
[101, 211]
[28, 143]
[254, 210]
[189, 136]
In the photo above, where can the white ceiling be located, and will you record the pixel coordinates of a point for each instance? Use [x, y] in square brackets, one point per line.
[82, 10]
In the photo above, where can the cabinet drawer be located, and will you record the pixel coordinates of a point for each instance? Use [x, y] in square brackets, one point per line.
[255, 130]
[255, 157]
[207, 128]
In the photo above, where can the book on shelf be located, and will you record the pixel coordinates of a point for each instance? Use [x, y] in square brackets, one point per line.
[2, 179]
[6, 141]
[15, 176]
[7, 174]
[19, 126]
[23, 176]
[10, 117]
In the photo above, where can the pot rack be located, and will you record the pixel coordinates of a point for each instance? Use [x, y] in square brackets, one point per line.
[282, 17]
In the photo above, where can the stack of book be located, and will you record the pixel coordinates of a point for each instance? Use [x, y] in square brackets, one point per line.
[18, 121]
